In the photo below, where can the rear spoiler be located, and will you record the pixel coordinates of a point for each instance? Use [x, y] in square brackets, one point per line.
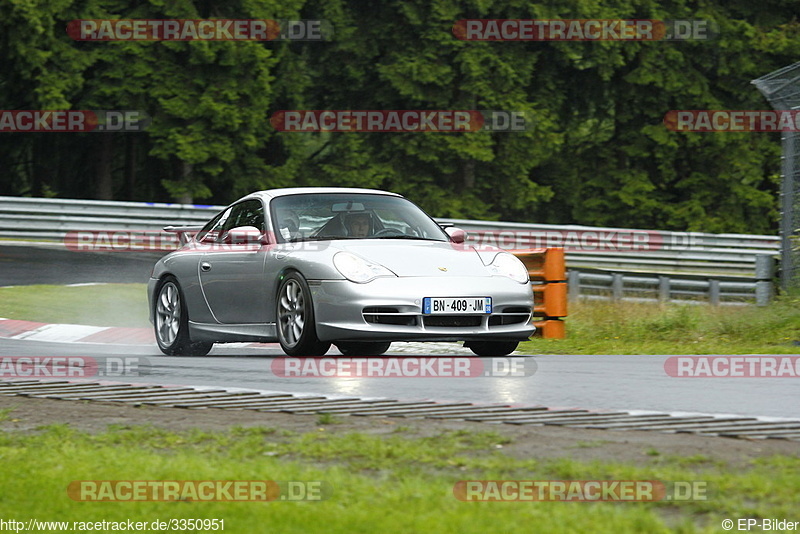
[185, 233]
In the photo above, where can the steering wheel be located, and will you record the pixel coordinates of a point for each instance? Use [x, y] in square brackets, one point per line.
[388, 232]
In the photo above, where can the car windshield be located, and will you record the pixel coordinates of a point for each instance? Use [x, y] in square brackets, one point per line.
[322, 216]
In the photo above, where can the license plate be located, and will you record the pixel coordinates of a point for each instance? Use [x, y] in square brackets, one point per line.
[457, 305]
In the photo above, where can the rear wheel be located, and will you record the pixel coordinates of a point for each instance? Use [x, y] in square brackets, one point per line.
[172, 322]
[363, 348]
[297, 331]
[492, 348]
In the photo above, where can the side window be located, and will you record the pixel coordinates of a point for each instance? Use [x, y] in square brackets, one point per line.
[212, 230]
[248, 213]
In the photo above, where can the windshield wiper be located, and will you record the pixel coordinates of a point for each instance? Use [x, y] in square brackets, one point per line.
[306, 239]
[404, 237]
[326, 238]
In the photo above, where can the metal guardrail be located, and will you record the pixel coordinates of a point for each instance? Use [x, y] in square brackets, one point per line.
[645, 265]
[632, 250]
[51, 218]
[630, 260]
[636, 287]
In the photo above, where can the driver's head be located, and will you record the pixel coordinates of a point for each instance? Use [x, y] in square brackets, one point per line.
[358, 224]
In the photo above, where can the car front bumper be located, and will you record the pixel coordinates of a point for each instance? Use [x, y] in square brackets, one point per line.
[390, 309]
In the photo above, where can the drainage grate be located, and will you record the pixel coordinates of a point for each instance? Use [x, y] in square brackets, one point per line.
[193, 398]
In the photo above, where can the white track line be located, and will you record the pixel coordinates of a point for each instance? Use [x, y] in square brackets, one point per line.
[65, 333]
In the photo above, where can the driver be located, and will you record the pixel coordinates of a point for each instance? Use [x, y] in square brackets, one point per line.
[358, 224]
[290, 226]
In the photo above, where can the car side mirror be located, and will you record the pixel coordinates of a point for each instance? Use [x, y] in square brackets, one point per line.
[209, 237]
[245, 235]
[457, 235]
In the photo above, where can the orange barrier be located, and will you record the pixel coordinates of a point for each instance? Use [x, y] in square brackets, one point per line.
[548, 274]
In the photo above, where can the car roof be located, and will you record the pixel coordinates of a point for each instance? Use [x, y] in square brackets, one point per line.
[273, 193]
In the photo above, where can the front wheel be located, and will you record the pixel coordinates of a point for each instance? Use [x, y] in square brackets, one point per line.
[492, 348]
[297, 331]
[172, 322]
[363, 348]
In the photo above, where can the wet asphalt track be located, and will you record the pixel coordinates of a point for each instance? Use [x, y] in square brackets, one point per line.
[25, 265]
[589, 382]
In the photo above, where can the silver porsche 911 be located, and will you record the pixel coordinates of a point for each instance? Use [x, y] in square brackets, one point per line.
[357, 268]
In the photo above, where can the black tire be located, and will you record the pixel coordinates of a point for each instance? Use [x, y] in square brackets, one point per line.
[171, 322]
[363, 348]
[295, 321]
[492, 348]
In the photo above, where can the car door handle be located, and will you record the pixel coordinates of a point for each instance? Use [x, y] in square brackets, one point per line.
[205, 266]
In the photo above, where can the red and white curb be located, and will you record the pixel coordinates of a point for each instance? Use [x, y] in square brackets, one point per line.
[78, 333]
[74, 333]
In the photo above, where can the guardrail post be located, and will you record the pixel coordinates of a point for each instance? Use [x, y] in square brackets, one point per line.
[616, 287]
[663, 288]
[765, 292]
[765, 272]
[714, 292]
[574, 285]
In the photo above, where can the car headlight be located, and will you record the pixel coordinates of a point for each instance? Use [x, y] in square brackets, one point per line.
[505, 264]
[358, 269]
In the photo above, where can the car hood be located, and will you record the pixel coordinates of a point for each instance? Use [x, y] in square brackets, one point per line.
[419, 258]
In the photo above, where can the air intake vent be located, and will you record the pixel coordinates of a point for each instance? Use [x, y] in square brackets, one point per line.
[453, 320]
[388, 315]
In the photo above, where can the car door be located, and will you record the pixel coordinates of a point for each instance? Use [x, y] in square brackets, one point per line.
[232, 274]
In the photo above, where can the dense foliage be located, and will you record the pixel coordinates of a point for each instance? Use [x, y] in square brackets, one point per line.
[599, 152]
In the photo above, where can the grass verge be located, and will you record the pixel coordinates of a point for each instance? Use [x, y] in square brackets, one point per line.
[397, 483]
[99, 305]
